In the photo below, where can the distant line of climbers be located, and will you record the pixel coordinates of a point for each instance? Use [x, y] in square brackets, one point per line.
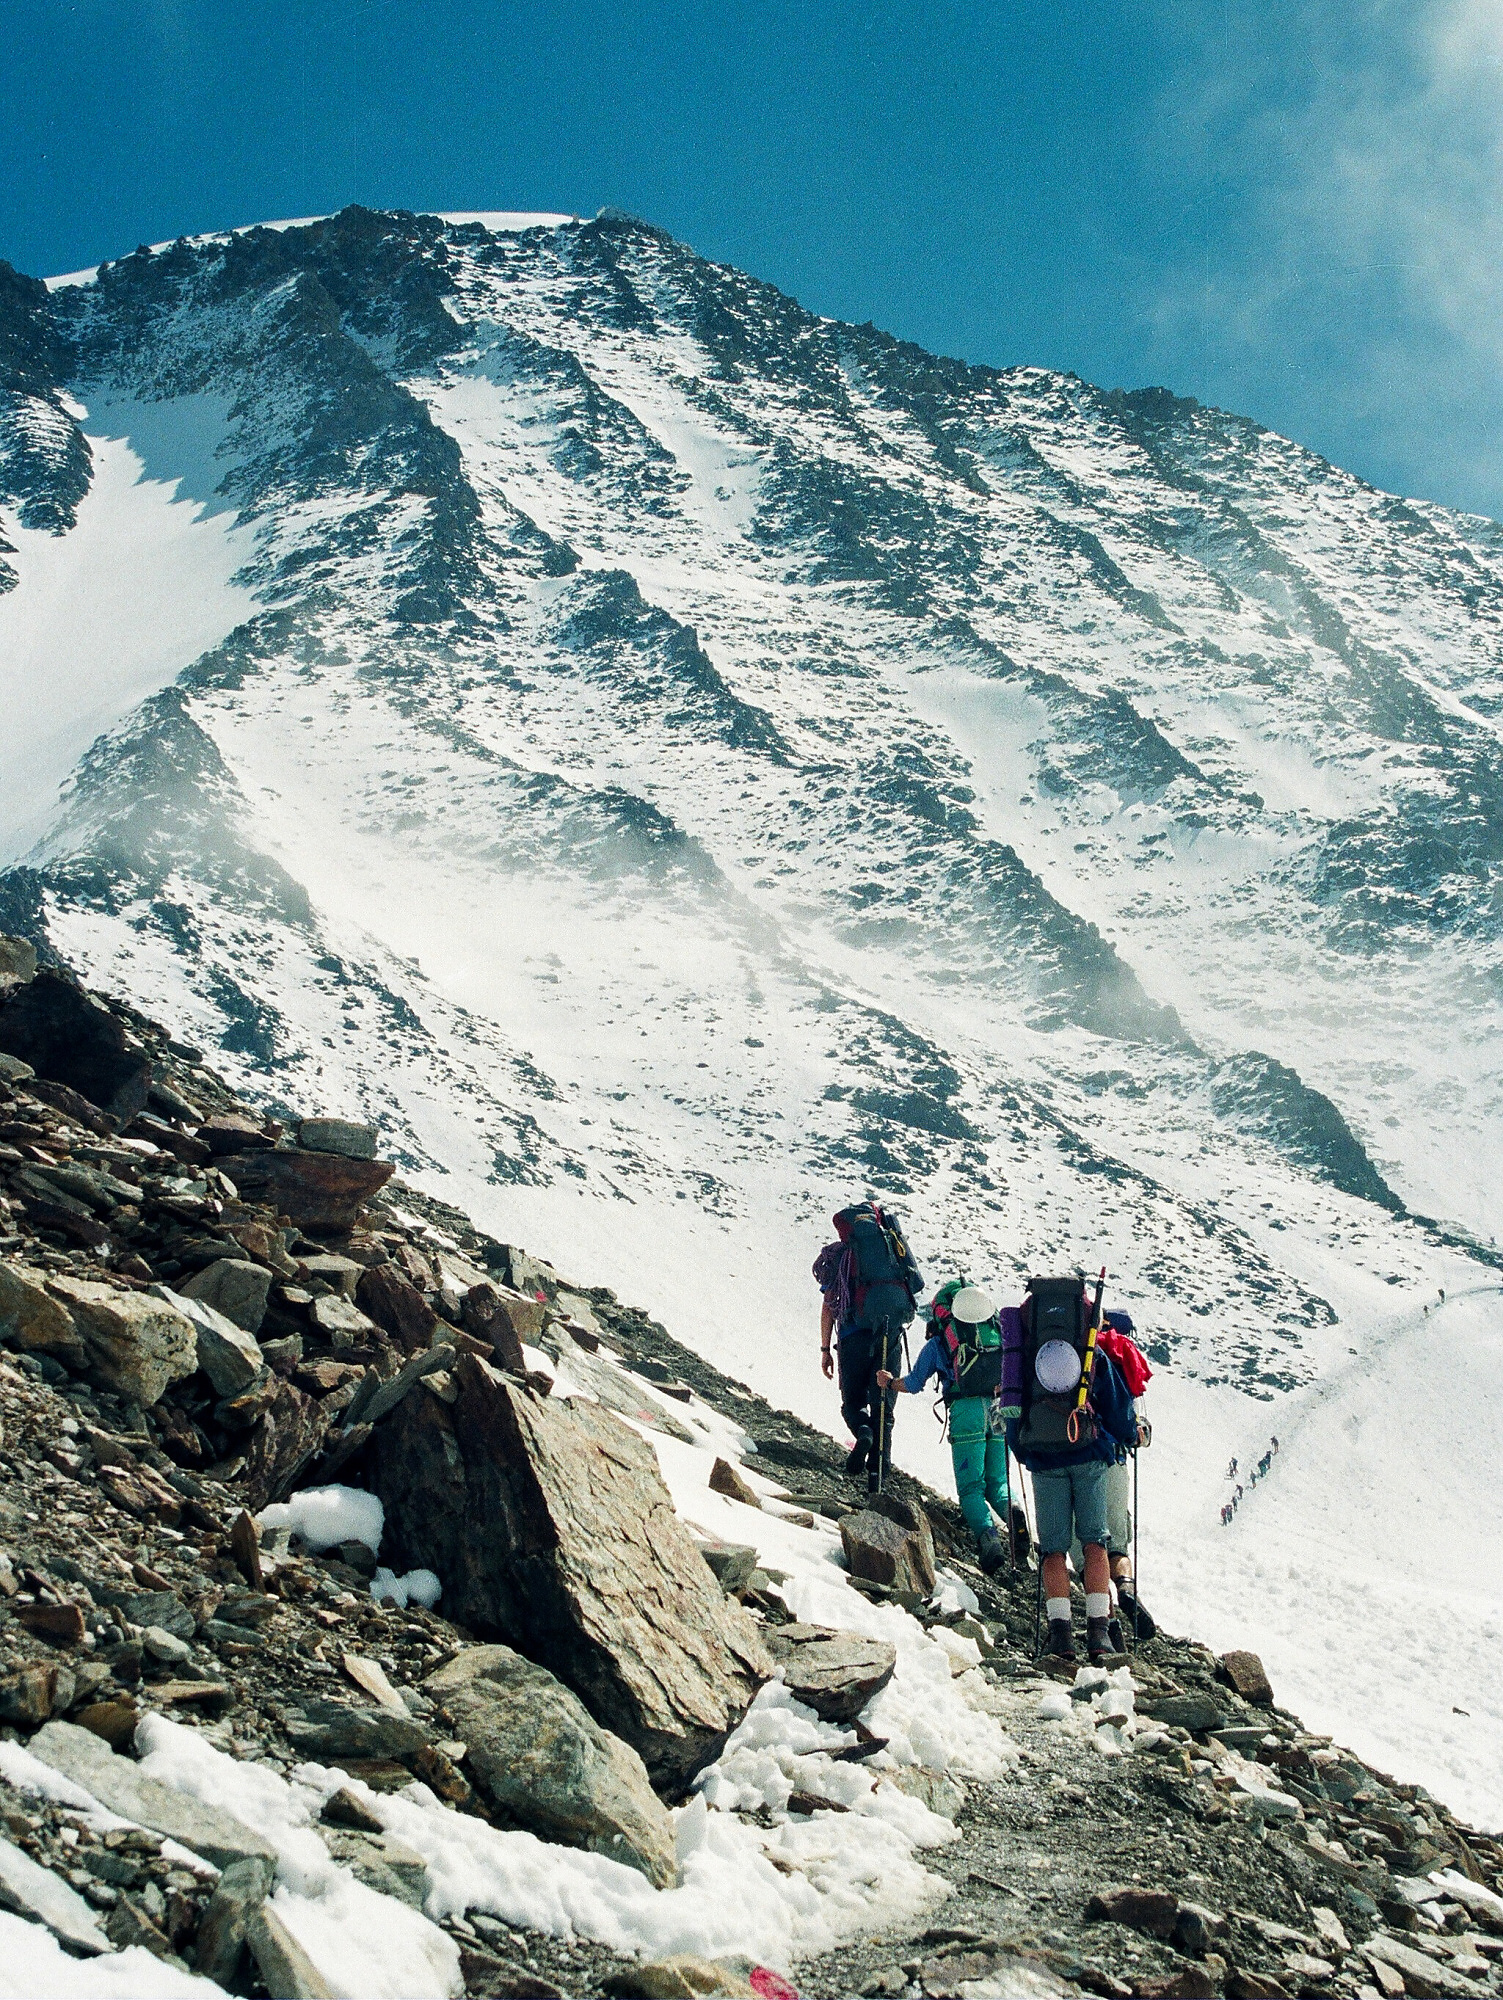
[1259, 1471]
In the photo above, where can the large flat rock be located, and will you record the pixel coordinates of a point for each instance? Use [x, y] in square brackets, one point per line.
[122, 1786]
[314, 1190]
[547, 1763]
[550, 1527]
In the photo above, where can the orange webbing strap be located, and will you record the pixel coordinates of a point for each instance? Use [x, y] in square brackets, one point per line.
[1072, 1422]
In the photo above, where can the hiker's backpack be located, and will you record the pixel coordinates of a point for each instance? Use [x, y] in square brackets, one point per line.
[881, 1268]
[1057, 1348]
[974, 1348]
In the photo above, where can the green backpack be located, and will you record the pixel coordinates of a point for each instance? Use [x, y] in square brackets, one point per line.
[975, 1349]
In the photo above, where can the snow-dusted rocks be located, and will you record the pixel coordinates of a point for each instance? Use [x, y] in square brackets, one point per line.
[549, 1525]
[548, 1765]
[834, 1673]
[121, 1785]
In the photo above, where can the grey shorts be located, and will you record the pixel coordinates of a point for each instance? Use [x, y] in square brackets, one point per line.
[1118, 1517]
[1070, 1500]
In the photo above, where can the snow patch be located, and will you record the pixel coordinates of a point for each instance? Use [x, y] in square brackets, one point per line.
[327, 1515]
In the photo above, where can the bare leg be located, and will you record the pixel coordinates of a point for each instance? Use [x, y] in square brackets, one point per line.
[1097, 1576]
[1056, 1577]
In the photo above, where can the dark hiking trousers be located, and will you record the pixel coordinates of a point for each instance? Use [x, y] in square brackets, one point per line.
[863, 1351]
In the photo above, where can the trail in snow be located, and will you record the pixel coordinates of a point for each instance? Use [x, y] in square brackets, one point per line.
[1365, 1576]
[1308, 1403]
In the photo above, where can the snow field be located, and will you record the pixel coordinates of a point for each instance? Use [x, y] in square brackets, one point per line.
[103, 616]
[1362, 1568]
[34, 1964]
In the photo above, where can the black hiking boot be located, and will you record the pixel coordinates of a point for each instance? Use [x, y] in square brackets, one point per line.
[1061, 1643]
[1022, 1541]
[1138, 1621]
[990, 1552]
[1099, 1648]
[861, 1451]
[1114, 1634]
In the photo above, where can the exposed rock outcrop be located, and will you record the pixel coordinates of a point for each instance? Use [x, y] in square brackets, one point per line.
[548, 1765]
[551, 1528]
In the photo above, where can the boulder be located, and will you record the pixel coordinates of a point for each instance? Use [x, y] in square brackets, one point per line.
[338, 1135]
[228, 1355]
[331, 1731]
[341, 1274]
[550, 1526]
[138, 1345]
[1195, 1712]
[396, 1306]
[314, 1190]
[122, 1786]
[548, 1765]
[834, 1673]
[30, 1695]
[18, 964]
[234, 1287]
[1243, 1673]
[1430, 1978]
[725, 1479]
[234, 1132]
[287, 1437]
[1152, 1910]
[941, 1794]
[34, 1321]
[731, 1564]
[285, 1966]
[503, 1321]
[238, 1894]
[343, 1321]
[887, 1551]
[53, 1025]
[12, 1070]
[58, 1624]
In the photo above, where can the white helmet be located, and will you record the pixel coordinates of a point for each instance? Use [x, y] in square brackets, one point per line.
[971, 1305]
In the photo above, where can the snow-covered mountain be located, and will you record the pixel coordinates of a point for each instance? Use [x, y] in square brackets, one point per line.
[676, 762]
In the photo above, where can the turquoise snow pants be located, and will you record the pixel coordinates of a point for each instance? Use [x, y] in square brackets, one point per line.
[980, 1463]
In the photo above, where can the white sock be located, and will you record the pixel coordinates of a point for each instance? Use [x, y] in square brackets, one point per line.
[1098, 1604]
[1059, 1607]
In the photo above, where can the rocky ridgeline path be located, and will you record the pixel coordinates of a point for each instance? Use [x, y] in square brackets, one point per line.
[207, 1315]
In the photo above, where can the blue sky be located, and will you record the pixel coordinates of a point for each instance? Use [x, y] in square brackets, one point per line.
[1292, 210]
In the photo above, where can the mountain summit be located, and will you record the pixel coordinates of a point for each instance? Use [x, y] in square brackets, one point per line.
[673, 761]
[744, 754]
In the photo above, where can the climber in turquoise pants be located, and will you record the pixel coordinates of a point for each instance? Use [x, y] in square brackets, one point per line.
[965, 1352]
[978, 1452]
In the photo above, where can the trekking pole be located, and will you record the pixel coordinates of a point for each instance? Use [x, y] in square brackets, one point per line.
[881, 1414]
[1136, 1585]
[1038, 1601]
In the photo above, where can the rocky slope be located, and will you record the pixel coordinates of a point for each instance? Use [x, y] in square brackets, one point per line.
[209, 1316]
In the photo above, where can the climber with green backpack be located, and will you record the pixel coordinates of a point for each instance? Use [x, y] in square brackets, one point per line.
[965, 1352]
